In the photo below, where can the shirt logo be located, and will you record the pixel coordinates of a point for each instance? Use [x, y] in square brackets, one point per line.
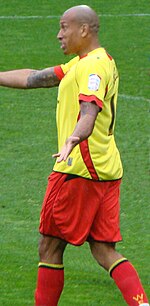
[94, 82]
[69, 163]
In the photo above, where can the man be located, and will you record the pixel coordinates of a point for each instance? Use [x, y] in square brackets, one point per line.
[82, 197]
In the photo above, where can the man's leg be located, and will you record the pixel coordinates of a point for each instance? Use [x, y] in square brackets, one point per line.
[50, 280]
[122, 271]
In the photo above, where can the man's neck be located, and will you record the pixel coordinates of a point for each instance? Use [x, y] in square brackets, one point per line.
[88, 49]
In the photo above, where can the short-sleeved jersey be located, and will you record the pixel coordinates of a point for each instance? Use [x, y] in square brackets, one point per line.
[93, 78]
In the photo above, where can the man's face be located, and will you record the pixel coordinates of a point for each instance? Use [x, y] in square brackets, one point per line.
[69, 35]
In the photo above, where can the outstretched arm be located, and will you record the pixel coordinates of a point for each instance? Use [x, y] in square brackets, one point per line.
[83, 129]
[28, 78]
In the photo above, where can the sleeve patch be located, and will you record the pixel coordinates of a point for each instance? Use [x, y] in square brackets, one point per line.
[94, 82]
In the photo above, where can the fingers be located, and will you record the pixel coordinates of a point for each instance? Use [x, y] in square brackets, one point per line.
[71, 142]
[55, 155]
[61, 156]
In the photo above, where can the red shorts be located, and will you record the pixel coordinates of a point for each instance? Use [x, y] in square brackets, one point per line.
[76, 209]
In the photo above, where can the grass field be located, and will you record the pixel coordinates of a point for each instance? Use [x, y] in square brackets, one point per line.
[28, 139]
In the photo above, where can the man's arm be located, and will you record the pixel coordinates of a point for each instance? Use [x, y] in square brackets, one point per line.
[28, 78]
[83, 129]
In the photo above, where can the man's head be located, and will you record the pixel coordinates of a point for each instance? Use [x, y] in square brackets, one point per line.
[79, 27]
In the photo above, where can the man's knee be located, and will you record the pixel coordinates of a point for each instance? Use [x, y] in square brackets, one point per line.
[101, 248]
[51, 249]
[104, 253]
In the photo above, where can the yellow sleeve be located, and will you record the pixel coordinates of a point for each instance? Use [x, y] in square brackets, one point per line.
[92, 78]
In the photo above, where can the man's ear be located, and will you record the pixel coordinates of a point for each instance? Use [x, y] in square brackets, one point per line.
[84, 30]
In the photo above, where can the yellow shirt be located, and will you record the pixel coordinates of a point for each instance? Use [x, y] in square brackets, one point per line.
[91, 78]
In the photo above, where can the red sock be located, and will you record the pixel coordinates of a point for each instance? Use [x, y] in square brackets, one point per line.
[127, 280]
[50, 284]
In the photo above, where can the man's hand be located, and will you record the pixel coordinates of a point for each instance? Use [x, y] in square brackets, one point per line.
[70, 143]
[83, 129]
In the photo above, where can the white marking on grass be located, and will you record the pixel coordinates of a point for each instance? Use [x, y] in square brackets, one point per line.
[29, 17]
[125, 15]
[57, 16]
[128, 97]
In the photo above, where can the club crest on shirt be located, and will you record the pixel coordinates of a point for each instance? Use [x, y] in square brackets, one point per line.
[94, 82]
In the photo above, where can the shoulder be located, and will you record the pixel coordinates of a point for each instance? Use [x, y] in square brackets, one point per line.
[92, 64]
[67, 66]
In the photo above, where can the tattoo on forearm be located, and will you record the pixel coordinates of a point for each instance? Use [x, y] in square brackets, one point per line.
[42, 78]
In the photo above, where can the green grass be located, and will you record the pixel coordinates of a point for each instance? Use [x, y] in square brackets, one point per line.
[28, 139]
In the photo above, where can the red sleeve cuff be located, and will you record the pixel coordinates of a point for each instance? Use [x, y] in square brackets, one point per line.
[91, 98]
[59, 72]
